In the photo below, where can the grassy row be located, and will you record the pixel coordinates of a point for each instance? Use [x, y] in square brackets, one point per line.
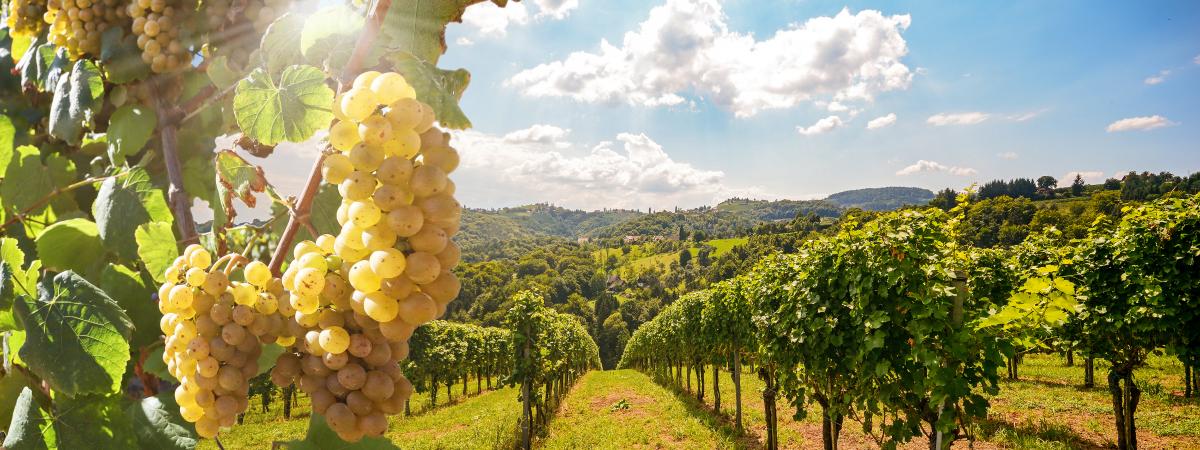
[1046, 409]
[480, 420]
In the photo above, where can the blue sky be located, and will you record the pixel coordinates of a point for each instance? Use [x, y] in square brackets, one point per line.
[719, 104]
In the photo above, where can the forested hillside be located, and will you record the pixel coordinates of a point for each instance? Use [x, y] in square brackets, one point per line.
[881, 199]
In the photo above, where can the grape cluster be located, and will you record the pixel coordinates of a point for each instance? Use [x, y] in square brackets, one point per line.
[214, 331]
[358, 296]
[78, 24]
[26, 17]
[157, 25]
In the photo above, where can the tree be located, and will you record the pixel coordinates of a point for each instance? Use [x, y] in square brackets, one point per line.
[1077, 185]
[1048, 182]
[946, 199]
[685, 256]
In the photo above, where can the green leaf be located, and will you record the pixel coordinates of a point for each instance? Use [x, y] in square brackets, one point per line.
[279, 48]
[11, 386]
[419, 28]
[123, 205]
[156, 247]
[30, 426]
[92, 421]
[266, 360]
[74, 99]
[7, 133]
[321, 437]
[77, 338]
[329, 35]
[124, 285]
[158, 425]
[35, 64]
[24, 280]
[440, 89]
[72, 244]
[26, 180]
[129, 128]
[221, 75]
[154, 363]
[121, 58]
[291, 111]
[236, 177]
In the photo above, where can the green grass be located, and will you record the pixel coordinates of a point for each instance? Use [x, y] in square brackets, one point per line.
[1046, 409]
[625, 409]
[720, 246]
[486, 420]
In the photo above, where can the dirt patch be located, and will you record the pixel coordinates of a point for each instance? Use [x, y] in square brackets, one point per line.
[637, 403]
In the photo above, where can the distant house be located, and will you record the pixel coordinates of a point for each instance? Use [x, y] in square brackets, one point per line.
[631, 238]
[615, 283]
[583, 240]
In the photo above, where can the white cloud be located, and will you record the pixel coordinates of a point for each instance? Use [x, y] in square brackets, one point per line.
[464, 41]
[685, 47]
[541, 134]
[1026, 116]
[490, 20]
[537, 164]
[1089, 176]
[934, 166]
[822, 126]
[1159, 78]
[967, 118]
[882, 121]
[556, 9]
[1008, 155]
[1196, 60]
[1143, 123]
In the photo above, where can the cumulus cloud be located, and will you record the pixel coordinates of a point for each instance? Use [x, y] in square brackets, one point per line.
[685, 47]
[556, 9]
[539, 164]
[1008, 155]
[822, 126]
[934, 166]
[1196, 60]
[1089, 176]
[882, 121]
[539, 133]
[967, 118]
[489, 20]
[1142, 123]
[493, 21]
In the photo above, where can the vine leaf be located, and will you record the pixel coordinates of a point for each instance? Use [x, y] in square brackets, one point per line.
[440, 89]
[157, 423]
[35, 63]
[123, 205]
[291, 111]
[30, 427]
[328, 36]
[322, 213]
[24, 281]
[121, 57]
[236, 177]
[419, 27]
[77, 338]
[321, 437]
[92, 421]
[127, 288]
[26, 179]
[279, 48]
[74, 98]
[221, 75]
[156, 247]
[72, 244]
[129, 128]
[7, 133]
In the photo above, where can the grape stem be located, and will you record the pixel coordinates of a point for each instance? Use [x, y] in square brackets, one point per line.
[178, 198]
[300, 214]
[20, 216]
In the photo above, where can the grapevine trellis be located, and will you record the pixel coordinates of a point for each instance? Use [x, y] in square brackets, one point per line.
[894, 323]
